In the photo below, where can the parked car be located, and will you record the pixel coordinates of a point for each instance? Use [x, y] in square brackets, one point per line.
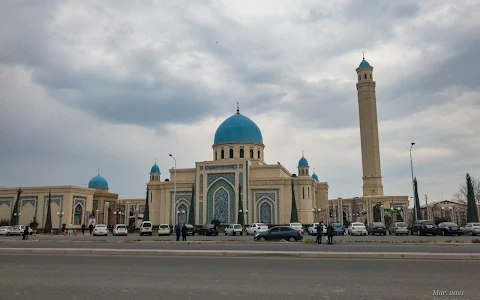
[357, 228]
[297, 226]
[233, 229]
[280, 233]
[190, 229]
[146, 228]
[6, 230]
[423, 227]
[208, 229]
[120, 229]
[100, 229]
[312, 229]
[338, 228]
[449, 228]
[398, 228]
[164, 229]
[256, 227]
[377, 227]
[472, 228]
[19, 229]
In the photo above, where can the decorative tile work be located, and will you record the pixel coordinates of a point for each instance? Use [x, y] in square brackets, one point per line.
[270, 194]
[187, 195]
[182, 217]
[222, 183]
[221, 167]
[25, 202]
[33, 200]
[266, 212]
[220, 207]
[201, 184]
[200, 212]
[6, 201]
[230, 177]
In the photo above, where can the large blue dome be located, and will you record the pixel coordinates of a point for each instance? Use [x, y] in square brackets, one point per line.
[364, 63]
[303, 162]
[155, 169]
[238, 128]
[98, 182]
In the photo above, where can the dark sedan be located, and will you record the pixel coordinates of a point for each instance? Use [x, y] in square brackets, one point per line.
[190, 229]
[208, 229]
[377, 227]
[449, 228]
[280, 233]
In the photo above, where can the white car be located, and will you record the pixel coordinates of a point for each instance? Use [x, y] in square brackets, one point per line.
[164, 229]
[233, 229]
[296, 226]
[19, 229]
[357, 228]
[100, 229]
[472, 228]
[120, 229]
[312, 229]
[146, 228]
[256, 227]
[6, 230]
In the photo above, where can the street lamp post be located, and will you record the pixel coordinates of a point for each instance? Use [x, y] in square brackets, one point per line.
[17, 216]
[174, 182]
[127, 212]
[244, 213]
[96, 217]
[180, 212]
[443, 212]
[413, 185]
[60, 216]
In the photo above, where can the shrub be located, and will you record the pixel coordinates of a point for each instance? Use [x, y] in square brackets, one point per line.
[34, 224]
[4, 222]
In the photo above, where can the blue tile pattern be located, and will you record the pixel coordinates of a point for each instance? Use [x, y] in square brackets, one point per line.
[266, 212]
[182, 217]
[201, 184]
[238, 128]
[181, 195]
[221, 167]
[221, 183]
[266, 194]
[220, 210]
[6, 201]
[230, 177]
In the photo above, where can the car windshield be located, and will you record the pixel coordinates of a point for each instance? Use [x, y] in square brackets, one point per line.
[428, 223]
[357, 224]
[337, 225]
[401, 224]
[163, 226]
[295, 224]
[475, 224]
[147, 225]
[121, 226]
[377, 224]
[238, 226]
[101, 226]
[16, 227]
[189, 225]
[450, 224]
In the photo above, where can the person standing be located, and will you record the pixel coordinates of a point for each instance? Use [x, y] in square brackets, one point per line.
[178, 230]
[25, 233]
[184, 233]
[90, 228]
[319, 233]
[330, 234]
[83, 229]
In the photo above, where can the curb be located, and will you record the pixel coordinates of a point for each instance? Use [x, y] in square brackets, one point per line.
[247, 253]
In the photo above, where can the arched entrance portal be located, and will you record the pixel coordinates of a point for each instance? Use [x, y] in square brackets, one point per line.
[78, 215]
[182, 212]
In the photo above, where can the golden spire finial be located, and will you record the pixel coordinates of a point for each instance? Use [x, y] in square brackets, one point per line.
[363, 53]
[238, 108]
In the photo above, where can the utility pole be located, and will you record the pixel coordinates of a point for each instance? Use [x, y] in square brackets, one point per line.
[426, 206]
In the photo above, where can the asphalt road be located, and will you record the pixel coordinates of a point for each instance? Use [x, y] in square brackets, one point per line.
[46, 277]
[260, 246]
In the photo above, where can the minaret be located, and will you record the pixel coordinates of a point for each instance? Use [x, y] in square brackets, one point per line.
[367, 106]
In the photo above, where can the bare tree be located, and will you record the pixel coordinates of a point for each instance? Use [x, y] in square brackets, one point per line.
[461, 195]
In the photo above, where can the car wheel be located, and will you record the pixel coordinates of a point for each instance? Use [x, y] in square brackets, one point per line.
[8, 233]
[292, 239]
[234, 233]
[262, 238]
[241, 233]
[247, 232]
[225, 233]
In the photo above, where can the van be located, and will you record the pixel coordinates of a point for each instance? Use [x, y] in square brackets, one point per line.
[233, 229]
[146, 228]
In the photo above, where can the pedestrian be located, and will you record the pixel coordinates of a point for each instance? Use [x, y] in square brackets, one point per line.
[330, 234]
[319, 233]
[90, 228]
[184, 233]
[178, 230]
[83, 229]
[25, 233]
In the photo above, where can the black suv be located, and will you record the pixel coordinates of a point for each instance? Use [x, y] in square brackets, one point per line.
[208, 229]
[423, 227]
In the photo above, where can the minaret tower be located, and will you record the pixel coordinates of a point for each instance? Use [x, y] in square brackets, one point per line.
[367, 106]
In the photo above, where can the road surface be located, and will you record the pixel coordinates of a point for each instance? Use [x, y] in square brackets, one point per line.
[46, 277]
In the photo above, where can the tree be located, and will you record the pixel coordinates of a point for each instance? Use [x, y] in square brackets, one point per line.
[14, 218]
[294, 212]
[241, 219]
[417, 200]
[472, 213]
[146, 213]
[48, 222]
[461, 195]
[191, 211]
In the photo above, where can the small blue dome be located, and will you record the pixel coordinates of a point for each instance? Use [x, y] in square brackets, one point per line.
[238, 128]
[155, 169]
[315, 177]
[98, 182]
[364, 63]
[303, 162]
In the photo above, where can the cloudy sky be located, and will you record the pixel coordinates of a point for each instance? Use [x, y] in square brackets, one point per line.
[112, 85]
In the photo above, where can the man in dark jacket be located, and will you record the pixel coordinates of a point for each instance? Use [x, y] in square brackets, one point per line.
[330, 234]
[319, 233]
[25, 233]
[184, 233]
[178, 230]
[90, 228]
[83, 229]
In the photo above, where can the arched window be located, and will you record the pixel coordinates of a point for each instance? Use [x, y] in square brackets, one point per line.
[78, 215]
[156, 177]
[216, 155]
[303, 192]
[151, 178]
[242, 154]
[359, 77]
[258, 154]
[222, 154]
[251, 153]
[303, 172]
[365, 76]
[231, 153]
[306, 172]
[265, 213]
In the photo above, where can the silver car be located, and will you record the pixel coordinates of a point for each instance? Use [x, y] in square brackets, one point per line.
[398, 228]
[6, 230]
[472, 228]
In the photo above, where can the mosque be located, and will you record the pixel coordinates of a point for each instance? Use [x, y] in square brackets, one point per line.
[236, 181]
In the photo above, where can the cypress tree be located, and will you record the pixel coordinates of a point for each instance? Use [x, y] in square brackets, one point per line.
[241, 213]
[48, 222]
[472, 213]
[13, 217]
[294, 213]
[417, 200]
[191, 211]
[146, 213]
